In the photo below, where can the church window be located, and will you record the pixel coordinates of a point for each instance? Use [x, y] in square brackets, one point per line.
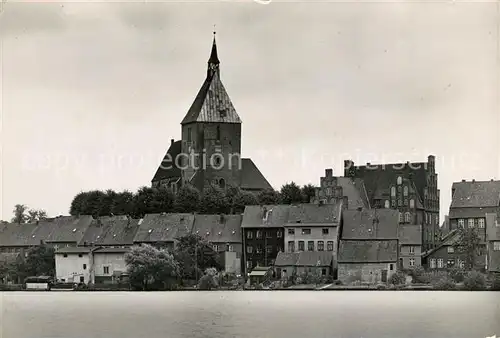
[407, 217]
[189, 139]
[218, 133]
[412, 203]
[393, 191]
[222, 183]
[405, 191]
[387, 204]
[400, 180]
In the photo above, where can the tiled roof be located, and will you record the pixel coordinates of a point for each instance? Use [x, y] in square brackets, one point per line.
[410, 234]
[368, 251]
[312, 214]
[111, 250]
[304, 258]
[212, 104]
[363, 224]
[253, 217]
[475, 194]
[168, 168]
[63, 229]
[471, 212]
[218, 228]
[163, 227]
[114, 230]
[13, 234]
[449, 240]
[251, 177]
[74, 250]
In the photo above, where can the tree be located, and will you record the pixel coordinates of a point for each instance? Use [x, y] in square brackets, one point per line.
[195, 255]
[241, 199]
[308, 192]
[36, 215]
[208, 280]
[78, 204]
[268, 197]
[40, 261]
[124, 203]
[20, 214]
[291, 193]
[214, 201]
[149, 267]
[469, 245]
[187, 199]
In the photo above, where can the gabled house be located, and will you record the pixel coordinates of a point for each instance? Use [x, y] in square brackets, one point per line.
[111, 231]
[109, 264]
[224, 233]
[262, 234]
[319, 263]
[163, 229]
[16, 238]
[74, 265]
[410, 246]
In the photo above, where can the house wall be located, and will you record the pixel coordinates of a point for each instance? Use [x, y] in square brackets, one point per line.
[275, 242]
[493, 257]
[405, 256]
[300, 270]
[315, 236]
[71, 268]
[451, 259]
[114, 261]
[232, 262]
[368, 272]
[223, 246]
[480, 231]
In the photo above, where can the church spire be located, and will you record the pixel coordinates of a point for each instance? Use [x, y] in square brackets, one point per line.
[213, 61]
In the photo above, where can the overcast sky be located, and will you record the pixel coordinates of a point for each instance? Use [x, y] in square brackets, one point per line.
[92, 93]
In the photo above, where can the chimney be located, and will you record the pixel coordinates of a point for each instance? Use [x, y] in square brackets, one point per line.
[463, 181]
[473, 180]
[328, 172]
[368, 164]
[171, 141]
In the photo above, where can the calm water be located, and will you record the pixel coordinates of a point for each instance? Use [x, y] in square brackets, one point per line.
[305, 314]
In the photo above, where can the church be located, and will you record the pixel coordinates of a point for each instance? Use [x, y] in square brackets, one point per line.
[209, 152]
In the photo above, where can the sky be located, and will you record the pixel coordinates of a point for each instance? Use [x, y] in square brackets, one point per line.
[92, 92]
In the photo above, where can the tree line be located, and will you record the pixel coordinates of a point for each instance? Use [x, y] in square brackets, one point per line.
[188, 199]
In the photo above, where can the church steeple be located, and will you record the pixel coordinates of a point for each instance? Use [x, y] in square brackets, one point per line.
[213, 61]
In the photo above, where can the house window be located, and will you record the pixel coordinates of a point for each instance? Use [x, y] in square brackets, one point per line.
[279, 234]
[82, 279]
[291, 231]
[400, 202]
[440, 263]
[106, 270]
[481, 223]
[329, 246]
[249, 249]
[406, 202]
[460, 222]
[325, 231]
[461, 263]
[400, 217]
[451, 249]
[393, 191]
[306, 231]
[249, 234]
[400, 180]
[411, 249]
[407, 217]
[470, 222]
[301, 245]
[65, 255]
[405, 191]
[433, 263]
[496, 246]
[258, 249]
[249, 265]
[412, 203]
[291, 246]
[451, 263]
[259, 234]
[310, 246]
[84, 266]
[230, 248]
[323, 272]
[412, 261]
[387, 205]
[321, 246]
[393, 203]
[215, 247]
[269, 234]
[269, 249]
[80, 255]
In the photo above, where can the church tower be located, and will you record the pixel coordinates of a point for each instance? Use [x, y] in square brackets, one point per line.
[211, 134]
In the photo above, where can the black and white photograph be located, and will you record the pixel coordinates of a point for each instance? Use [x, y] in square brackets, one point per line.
[249, 169]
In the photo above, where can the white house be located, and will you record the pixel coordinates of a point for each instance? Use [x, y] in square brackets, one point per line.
[74, 265]
[109, 264]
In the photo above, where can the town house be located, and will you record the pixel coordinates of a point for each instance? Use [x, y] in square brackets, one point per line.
[410, 246]
[493, 238]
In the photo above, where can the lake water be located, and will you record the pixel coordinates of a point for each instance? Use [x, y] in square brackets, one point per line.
[290, 314]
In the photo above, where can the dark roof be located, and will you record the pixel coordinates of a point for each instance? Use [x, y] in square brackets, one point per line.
[363, 224]
[63, 229]
[212, 99]
[368, 251]
[13, 234]
[471, 212]
[410, 234]
[475, 194]
[111, 250]
[314, 214]
[213, 54]
[163, 227]
[74, 250]
[112, 230]
[251, 177]
[304, 258]
[450, 239]
[253, 216]
[218, 228]
[168, 168]
[354, 190]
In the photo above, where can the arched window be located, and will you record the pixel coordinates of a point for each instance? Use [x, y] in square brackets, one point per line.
[393, 191]
[405, 191]
[400, 180]
[412, 203]
[218, 133]
[407, 217]
[387, 204]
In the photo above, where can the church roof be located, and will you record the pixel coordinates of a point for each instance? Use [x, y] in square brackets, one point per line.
[168, 167]
[251, 177]
[212, 104]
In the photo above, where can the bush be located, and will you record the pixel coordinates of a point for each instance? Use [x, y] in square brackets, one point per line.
[475, 281]
[495, 283]
[397, 278]
[445, 284]
[457, 275]
[381, 287]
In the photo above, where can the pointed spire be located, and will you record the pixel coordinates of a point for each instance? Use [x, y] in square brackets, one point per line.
[213, 61]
